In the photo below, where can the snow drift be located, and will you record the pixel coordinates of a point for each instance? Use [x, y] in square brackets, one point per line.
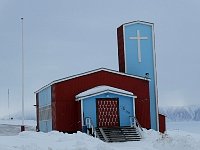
[173, 140]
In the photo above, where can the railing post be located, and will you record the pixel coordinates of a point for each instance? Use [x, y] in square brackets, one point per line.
[88, 123]
[132, 121]
[135, 121]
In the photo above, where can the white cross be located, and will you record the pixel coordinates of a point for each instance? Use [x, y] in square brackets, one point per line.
[138, 38]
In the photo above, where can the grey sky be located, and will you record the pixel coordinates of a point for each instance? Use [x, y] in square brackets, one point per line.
[63, 38]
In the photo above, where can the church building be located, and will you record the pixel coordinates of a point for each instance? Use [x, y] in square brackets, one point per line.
[104, 98]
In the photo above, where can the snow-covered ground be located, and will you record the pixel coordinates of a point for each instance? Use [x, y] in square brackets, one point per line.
[13, 127]
[29, 140]
[189, 126]
[174, 139]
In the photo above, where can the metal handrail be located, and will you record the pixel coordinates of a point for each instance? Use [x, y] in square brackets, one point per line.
[88, 122]
[134, 122]
[90, 125]
[137, 123]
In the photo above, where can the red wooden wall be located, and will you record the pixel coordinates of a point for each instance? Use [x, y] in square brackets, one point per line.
[66, 111]
[162, 124]
[37, 112]
[120, 41]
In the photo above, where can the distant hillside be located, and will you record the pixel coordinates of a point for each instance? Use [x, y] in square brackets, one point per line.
[29, 115]
[185, 113]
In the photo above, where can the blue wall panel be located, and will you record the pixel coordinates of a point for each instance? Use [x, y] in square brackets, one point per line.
[45, 125]
[45, 97]
[125, 108]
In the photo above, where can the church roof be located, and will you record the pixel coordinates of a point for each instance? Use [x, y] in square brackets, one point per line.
[90, 72]
[101, 90]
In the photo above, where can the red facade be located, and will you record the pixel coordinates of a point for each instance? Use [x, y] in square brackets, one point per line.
[37, 112]
[120, 40]
[162, 126]
[66, 111]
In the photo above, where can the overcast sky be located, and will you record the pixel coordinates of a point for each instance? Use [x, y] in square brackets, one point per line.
[63, 38]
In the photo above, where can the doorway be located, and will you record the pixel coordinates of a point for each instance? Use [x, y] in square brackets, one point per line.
[107, 112]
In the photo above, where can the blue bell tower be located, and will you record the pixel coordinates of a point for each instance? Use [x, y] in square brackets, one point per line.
[136, 50]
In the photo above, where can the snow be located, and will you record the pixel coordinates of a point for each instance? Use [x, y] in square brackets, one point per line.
[189, 126]
[29, 140]
[101, 89]
[13, 127]
[174, 139]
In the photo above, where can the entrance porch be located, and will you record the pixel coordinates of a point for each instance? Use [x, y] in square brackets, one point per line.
[106, 106]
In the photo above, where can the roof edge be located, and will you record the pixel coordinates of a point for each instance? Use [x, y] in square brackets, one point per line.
[103, 92]
[138, 21]
[90, 72]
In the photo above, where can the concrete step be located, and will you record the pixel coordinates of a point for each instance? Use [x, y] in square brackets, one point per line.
[120, 134]
[99, 134]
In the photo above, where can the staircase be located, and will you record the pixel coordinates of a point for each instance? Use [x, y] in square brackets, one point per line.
[120, 134]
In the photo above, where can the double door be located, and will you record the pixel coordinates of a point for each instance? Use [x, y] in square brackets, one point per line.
[107, 112]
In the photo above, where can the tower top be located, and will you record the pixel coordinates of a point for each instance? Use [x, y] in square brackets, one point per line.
[138, 22]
